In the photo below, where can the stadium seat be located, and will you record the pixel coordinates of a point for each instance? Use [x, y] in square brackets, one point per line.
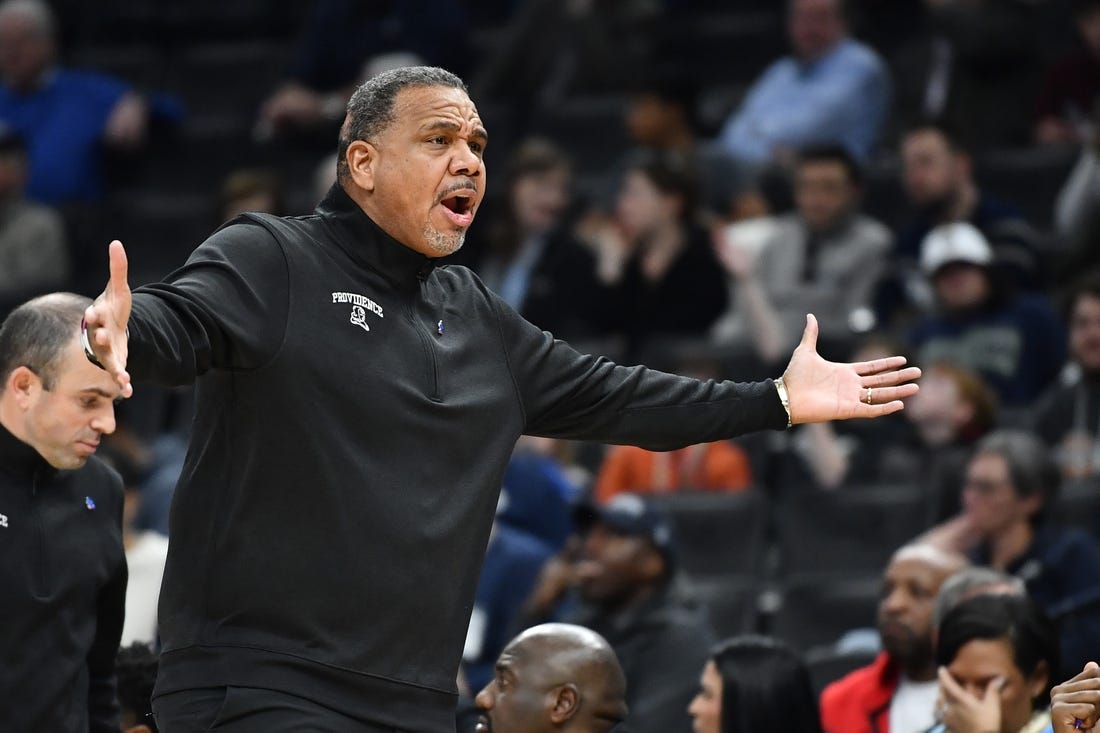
[818, 610]
[827, 665]
[731, 604]
[719, 533]
[851, 530]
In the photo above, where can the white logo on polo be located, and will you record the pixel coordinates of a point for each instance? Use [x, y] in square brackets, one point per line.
[360, 304]
[3, 520]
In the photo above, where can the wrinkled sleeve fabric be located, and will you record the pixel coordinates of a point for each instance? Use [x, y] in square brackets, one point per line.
[566, 394]
[226, 308]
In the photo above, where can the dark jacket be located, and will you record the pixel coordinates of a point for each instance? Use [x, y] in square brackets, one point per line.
[662, 646]
[355, 410]
[1061, 569]
[63, 574]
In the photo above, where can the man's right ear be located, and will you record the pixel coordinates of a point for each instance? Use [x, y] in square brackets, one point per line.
[22, 385]
[362, 160]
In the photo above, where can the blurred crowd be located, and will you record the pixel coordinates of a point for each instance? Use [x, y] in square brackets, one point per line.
[675, 183]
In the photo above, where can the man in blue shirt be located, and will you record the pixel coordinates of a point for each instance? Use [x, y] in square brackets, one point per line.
[65, 116]
[832, 89]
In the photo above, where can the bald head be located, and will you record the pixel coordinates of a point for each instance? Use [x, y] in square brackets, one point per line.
[554, 677]
[910, 584]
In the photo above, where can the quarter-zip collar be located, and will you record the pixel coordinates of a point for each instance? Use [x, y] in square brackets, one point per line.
[20, 459]
[367, 244]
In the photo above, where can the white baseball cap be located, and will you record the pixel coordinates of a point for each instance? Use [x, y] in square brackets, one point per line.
[958, 241]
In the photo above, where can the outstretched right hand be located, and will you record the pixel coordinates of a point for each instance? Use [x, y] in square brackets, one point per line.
[106, 321]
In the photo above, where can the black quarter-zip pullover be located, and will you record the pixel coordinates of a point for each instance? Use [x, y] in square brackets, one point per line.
[356, 408]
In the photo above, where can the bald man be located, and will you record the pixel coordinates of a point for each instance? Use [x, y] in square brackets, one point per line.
[897, 692]
[554, 678]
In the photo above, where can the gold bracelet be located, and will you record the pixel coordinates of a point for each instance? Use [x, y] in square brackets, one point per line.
[784, 398]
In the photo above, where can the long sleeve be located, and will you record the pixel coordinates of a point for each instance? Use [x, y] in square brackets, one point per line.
[1080, 195]
[565, 394]
[225, 308]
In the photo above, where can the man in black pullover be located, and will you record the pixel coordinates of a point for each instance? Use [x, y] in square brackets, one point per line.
[62, 566]
[356, 407]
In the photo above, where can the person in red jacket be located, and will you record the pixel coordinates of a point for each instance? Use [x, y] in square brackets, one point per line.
[897, 692]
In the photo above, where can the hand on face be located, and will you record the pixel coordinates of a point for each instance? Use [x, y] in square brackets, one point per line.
[965, 713]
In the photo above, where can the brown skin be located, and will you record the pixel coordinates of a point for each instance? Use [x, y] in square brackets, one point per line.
[1077, 699]
[983, 690]
[617, 569]
[554, 677]
[65, 422]
[909, 588]
[430, 153]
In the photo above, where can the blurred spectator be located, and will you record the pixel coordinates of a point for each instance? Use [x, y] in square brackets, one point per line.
[251, 190]
[538, 494]
[554, 677]
[661, 115]
[823, 258]
[973, 66]
[833, 89]
[533, 260]
[345, 42]
[938, 175]
[1015, 341]
[1068, 98]
[136, 669]
[553, 49]
[1068, 416]
[625, 570]
[897, 692]
[1011, 484]
[512, 563]
[748, 684]
[66, 117]
[998, 656]
[666, 280]
[718, 466]
[34, 258]
[1077, 212]
[971, 582]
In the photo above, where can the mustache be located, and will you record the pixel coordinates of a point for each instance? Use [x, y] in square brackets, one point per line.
[466, 184]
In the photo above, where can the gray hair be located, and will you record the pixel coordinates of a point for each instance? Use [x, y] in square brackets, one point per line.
[38, 12]
[1031, 466]
[36, 334]
[370, 109]
[970, 582]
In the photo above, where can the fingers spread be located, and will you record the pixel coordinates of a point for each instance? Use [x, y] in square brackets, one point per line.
[119, 266]
[889, 379]
[864, 368]
[881, 395]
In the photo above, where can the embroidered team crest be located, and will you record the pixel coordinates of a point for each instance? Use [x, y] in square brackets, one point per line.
[360, 304]
[359, 317]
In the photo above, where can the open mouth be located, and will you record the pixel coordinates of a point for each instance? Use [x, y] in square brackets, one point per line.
[459, 203]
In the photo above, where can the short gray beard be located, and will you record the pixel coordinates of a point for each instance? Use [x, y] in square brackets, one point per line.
[443, 244]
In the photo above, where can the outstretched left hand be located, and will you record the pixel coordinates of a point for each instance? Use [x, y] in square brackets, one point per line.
[821, 390]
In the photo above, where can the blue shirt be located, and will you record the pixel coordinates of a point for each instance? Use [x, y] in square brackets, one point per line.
[63, 123]
[840, 98]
